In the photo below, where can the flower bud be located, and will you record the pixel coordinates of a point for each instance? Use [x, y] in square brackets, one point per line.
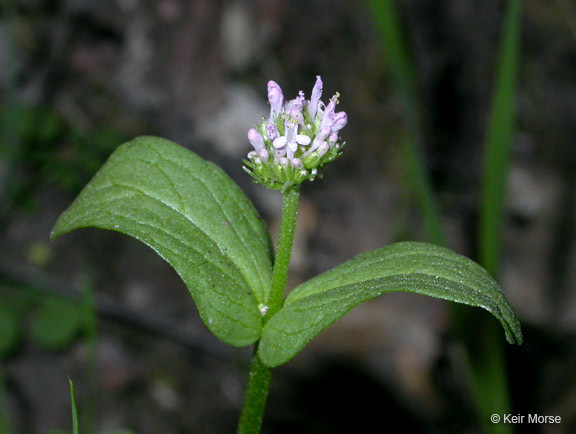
[256, 139]
[322, 149]
[263, 154]
[333, 139]
[297, 163]
[315, 98]
[276, 98]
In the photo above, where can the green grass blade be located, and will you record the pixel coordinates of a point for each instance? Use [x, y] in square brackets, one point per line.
[386, 17]
[488, 373]
[488, 376]
[75, 429]
[499, 142]
[420, 185]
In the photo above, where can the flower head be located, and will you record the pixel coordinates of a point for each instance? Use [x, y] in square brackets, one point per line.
[298, 138]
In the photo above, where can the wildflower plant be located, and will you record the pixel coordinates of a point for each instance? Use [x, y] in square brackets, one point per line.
[195, 217]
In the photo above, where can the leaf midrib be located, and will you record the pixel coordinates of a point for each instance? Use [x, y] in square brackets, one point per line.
[207, 187]
[329, 279]
[484, 302]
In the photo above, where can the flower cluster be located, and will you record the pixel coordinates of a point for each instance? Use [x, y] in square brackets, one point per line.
[298, 138]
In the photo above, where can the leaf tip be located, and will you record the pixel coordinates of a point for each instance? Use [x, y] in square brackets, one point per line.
[55, 233]
[60, 227]
[514, 333]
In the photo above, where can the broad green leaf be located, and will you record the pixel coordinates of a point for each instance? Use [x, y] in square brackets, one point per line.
[409, 266]
[194, 216]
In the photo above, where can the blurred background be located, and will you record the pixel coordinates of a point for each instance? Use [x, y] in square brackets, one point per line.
[461, 132]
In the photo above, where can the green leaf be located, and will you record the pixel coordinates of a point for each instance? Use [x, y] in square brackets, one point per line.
[409, 266]
[488, 377]
[75, 428]
[499, 140]
[55, 323]
[195, 217]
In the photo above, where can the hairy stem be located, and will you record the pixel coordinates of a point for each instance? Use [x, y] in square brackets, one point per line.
[255, 397]
[284, 250]
[259, 379]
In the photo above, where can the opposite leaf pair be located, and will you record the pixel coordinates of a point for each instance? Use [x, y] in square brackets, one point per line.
[195, 217]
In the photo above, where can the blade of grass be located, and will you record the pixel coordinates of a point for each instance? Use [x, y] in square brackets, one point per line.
[386, 17]
[499, 142]
[489, 376]
[74, 408]
[419, 183]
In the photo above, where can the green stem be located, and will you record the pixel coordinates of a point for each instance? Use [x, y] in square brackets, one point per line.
[260, 374]
[255, 398]
[284, 250]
